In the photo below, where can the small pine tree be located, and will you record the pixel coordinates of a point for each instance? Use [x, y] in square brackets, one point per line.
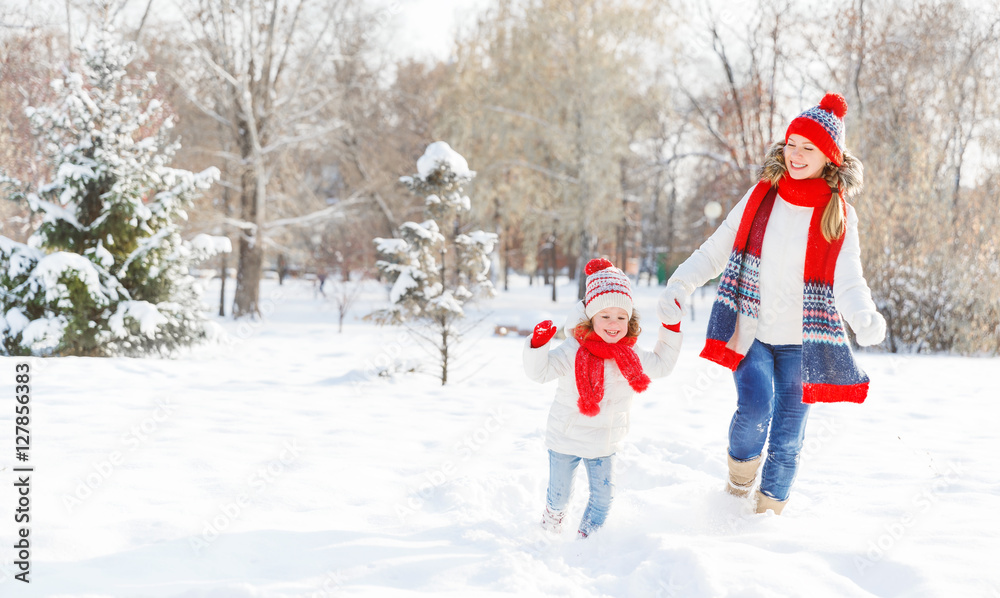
[106, 272]
[429, 289]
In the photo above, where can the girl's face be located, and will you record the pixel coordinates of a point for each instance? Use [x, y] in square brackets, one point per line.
[611, 324]
[802, 158]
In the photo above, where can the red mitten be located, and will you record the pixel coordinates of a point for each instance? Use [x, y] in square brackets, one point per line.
[544, 332]
[674, 327]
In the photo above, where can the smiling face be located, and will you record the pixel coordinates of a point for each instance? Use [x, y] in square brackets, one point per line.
[611, 324]
[803, 159]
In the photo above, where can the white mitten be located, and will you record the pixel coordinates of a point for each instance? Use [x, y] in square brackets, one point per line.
[669, 307]
[869, 327]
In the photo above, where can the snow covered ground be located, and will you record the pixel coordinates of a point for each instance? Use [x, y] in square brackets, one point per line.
[279, 464]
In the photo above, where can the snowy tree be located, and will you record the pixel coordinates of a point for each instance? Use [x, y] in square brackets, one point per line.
[106, 272]
[429, 289]
[275, 76]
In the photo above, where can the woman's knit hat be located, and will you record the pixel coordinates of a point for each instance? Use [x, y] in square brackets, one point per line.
[824, 126]
[607, 286]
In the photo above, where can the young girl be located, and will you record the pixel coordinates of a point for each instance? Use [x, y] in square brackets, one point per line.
[599, 370]
[792, 265]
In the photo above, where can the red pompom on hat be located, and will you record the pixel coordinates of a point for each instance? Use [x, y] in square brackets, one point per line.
[835, 103]
[824, 126]
[597, 265]
[607, 286]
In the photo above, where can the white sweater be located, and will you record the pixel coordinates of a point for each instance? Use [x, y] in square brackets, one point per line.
[782, 267]
[569, 431]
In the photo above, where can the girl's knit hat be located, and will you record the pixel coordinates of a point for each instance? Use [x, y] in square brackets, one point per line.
[607, 286]
[824, 126]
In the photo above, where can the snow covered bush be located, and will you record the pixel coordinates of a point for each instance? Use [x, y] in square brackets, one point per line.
[429, 288]
[106, 272]
[940, 299]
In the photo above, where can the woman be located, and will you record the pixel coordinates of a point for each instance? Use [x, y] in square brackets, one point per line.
[791, 265]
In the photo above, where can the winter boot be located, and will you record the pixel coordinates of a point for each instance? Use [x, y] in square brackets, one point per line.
[552, 520]
[765, 502]
[742, 475]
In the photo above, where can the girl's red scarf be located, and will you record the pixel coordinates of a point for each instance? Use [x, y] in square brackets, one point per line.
[590, 368]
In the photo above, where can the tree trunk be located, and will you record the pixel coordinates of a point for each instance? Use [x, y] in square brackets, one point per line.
[444, 351]
[554, 273]
[545, 254]
[69, 35]
[506, 259]
[620, 245]
[282, 268]
[443, 271]
[652, 244]
[222, 290]
[227, 209]
[584, 257]
[248, 275]
[671, 226]
[251, 257]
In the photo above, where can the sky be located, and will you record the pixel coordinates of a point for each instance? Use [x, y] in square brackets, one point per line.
[425, 29]
[422, 29]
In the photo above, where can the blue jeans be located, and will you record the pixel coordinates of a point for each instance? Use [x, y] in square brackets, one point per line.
[602, 488]
[769, 395]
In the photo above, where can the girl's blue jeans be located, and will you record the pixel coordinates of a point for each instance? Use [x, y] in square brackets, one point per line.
[602, 488]
[769, 397]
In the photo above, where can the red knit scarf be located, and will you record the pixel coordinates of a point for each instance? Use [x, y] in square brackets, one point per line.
[590, 368]
[809, 193]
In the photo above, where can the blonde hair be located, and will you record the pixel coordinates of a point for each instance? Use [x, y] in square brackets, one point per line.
[844, 181]
[833, 224]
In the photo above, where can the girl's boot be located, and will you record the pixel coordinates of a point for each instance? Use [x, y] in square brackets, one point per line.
[742, 475]
[552, 520]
